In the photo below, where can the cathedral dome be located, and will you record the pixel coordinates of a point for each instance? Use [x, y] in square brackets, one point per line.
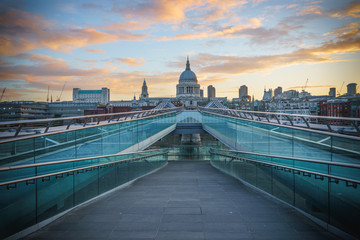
[188, 75]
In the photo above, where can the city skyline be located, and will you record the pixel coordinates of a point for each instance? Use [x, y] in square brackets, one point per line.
[116, 44]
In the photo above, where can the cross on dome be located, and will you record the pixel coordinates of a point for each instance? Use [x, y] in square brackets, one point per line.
[187, 64]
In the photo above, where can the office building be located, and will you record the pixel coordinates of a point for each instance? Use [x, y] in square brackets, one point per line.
[332, 92]
[211, 92]
[91, 96]
[351, 89]
[277, 91]
[243, 91]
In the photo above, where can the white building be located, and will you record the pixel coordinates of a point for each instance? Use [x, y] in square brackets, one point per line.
[91, 96]
[188, 89]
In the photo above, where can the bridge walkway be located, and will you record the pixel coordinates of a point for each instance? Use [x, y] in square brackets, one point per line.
[184, 200]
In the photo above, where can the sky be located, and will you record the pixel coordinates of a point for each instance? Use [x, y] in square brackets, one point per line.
[47, 46]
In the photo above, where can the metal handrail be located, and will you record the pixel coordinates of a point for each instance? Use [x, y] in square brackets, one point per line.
[339, 164]
[67, 161]
[288, 114]
[331, 178]
[21, 123]
[9, 183]
[315, 130]
[79, 117]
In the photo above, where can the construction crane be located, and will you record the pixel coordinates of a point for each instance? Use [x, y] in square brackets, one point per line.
[304, 87]
[58, 99]
[339, 92]
[2, 95]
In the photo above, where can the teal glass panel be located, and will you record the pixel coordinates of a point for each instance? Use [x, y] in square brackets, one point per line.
[281, 141]
[264, 178]
[311, 196]
[345, 150]
[54, 196]
[17, 208]
[87, 162]
[345, 172]
[53, 168]
[345, 207]
[312, 166]
[86, 185]
[17, 152]
[107, 178]
[55, 147]
[126, 135]
[122, 173]
[312, 145]
[261, 138]
[283, 185]
[244, 136]
[110, 139]
[17, 174]
[250, 172]
[88, 142]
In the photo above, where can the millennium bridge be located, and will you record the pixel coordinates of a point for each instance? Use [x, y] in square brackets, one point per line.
[171, 173]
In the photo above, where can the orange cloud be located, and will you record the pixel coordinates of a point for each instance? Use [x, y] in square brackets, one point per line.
[353, 10]
[132, 61]
[44, 66]
[240, 65]
[23, 31]
[213, 79]
[158, 10]
[94, 51]
[348, 31]
[293, 6]
[124, 26]
[217, 10]
[32, 81]
[256, 22]
[174, 12]
[225, 32]
[312, 9]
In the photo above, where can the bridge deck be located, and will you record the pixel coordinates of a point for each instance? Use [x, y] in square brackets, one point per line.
[184, 200]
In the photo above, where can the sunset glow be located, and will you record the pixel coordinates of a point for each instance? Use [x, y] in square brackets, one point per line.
[116, 44]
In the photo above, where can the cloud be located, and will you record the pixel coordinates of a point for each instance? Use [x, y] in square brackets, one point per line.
[348, 31]
[213, 79]
[159, 10]
[175, 12]
[241, 65]
[94, 51]
[293, 6]
[132, 61]
[43, 66]
[43, 72]
[312, 9]
[116, 26]
[21, 31]
[353, 10]
[219, 32]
